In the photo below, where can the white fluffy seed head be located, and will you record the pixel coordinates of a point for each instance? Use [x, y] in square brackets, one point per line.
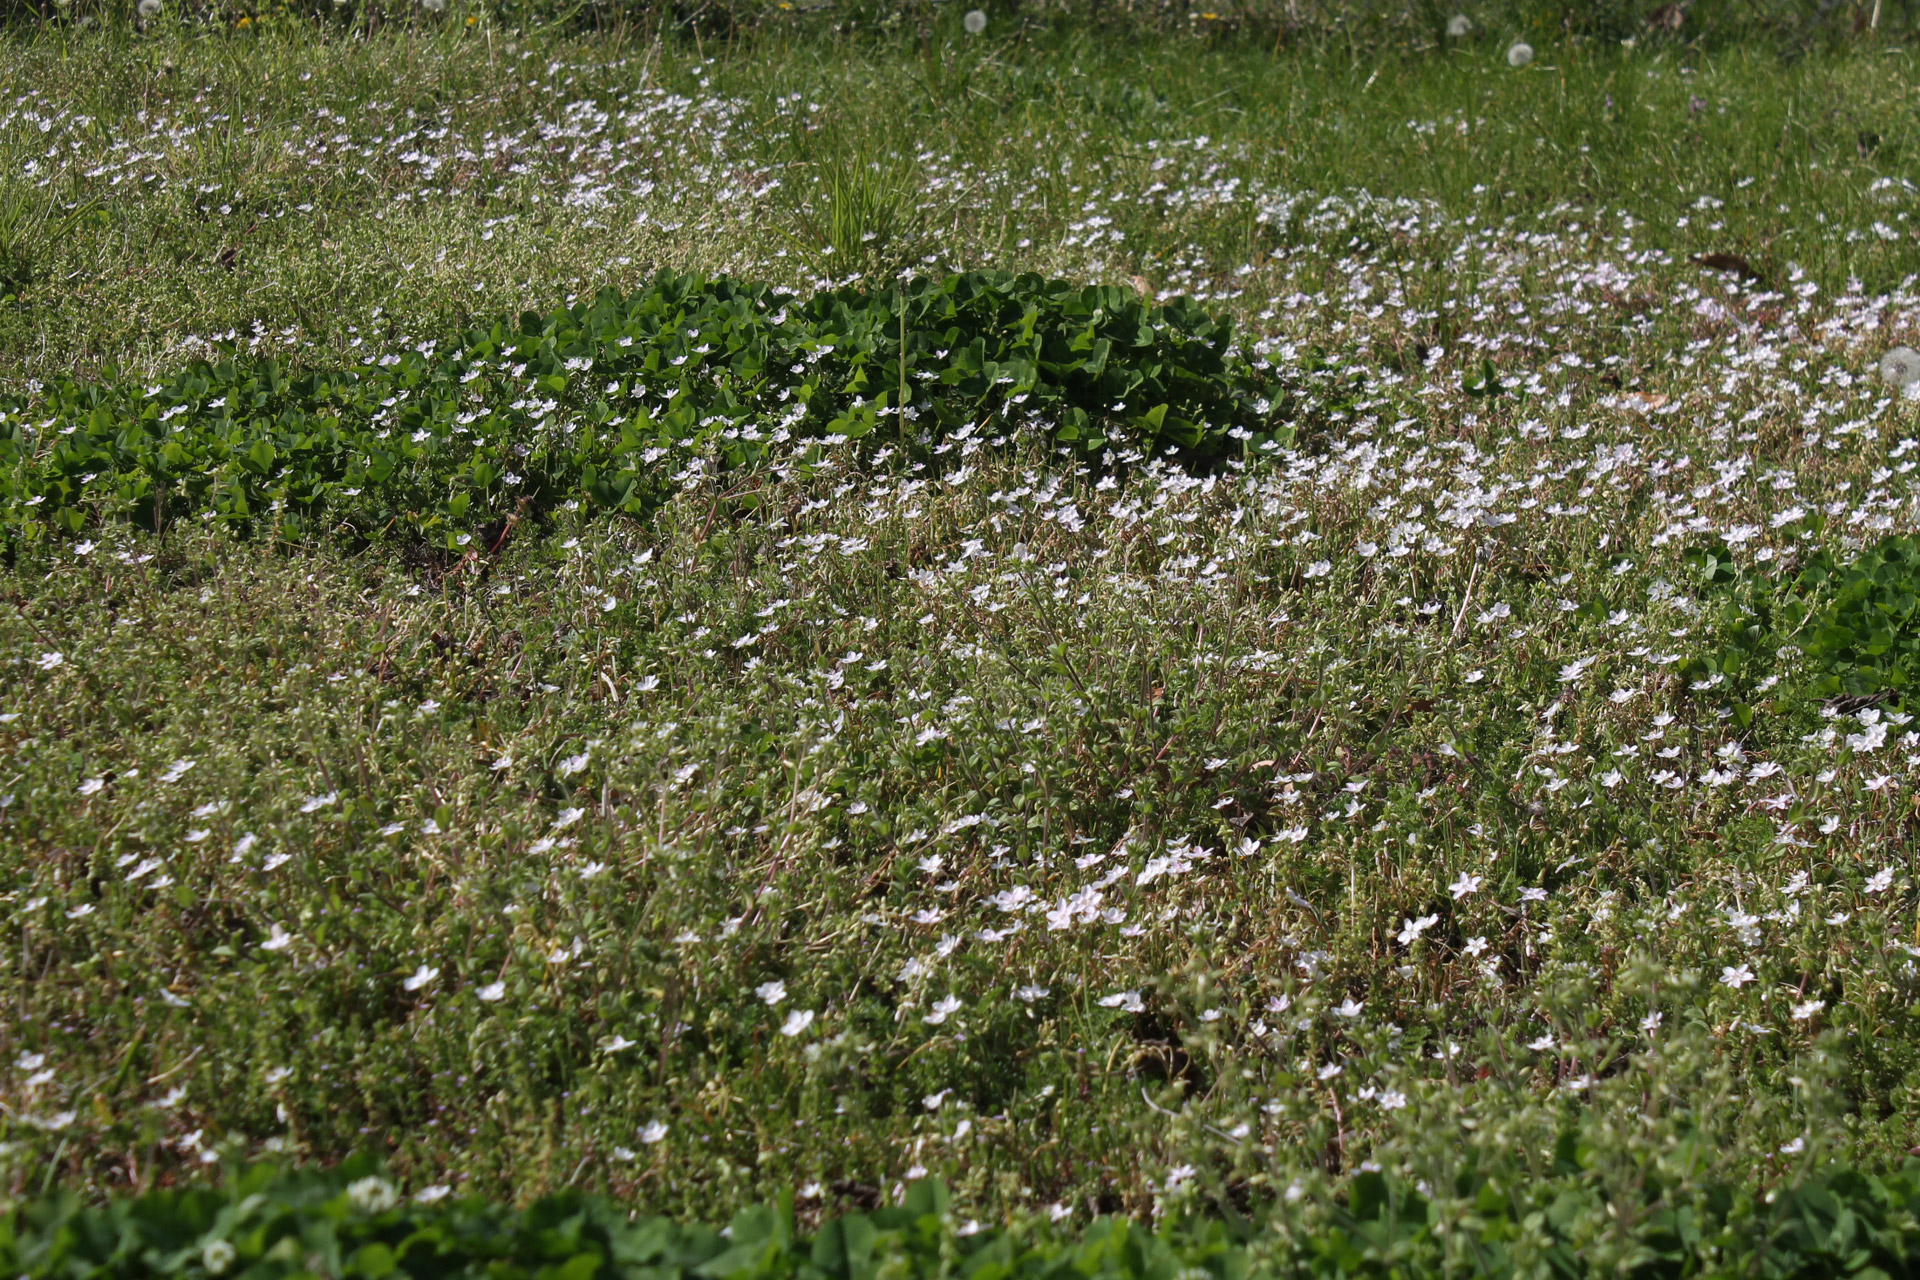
[1458, 25]
[1520, 54]
[975, 21]
[1900, 367]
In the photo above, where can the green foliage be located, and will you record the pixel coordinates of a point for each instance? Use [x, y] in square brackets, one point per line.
[1384, 25]
[1855, 623]
[29, 225]
[1743, 615]
[861, 220]
[587, 402]
[351, 1222]
[1861, 634]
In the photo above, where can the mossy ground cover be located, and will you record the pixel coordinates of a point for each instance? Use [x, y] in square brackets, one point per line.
[1092, 830]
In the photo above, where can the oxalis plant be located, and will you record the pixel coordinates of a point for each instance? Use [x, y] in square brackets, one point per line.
[606, 401]
[354, 1220]
[1840, 628]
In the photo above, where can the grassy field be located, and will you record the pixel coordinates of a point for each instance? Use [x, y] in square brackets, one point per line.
[1093, 836]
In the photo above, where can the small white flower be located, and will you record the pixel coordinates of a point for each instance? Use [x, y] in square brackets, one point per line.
[215, 1255]
[1520, 54]
[1349, 1008]
[617, 1043]
[653, 1132]
[1129, 1001]
[1736, 976]
[372, 1195]
[1802, 1012]
[1651, 1023]
[1880, 880]
[1319, 569]
[942, 1008]
[567, 818]
[48, 661]
[278, 939]
[434, 1194]
[492, 991]
[1028, 994]
[1411, 929]
[421, 977]
[504, 762]
[177, 770]
[1574, 670]
[975, 21]
[771, 992]
[1463, 886]
[92, 785]
[319, 802]
[797, 1021]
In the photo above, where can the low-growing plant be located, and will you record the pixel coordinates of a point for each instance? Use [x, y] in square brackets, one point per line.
[353, 1221]
[603, 401]
[1855, 623]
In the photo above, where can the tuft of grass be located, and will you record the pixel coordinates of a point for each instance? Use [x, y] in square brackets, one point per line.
[859, 220]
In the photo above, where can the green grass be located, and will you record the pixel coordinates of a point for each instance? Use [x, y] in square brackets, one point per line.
[1025, 133]
[678, 857]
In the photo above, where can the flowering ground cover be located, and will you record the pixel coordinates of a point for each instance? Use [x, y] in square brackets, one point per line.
[1482, 775]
